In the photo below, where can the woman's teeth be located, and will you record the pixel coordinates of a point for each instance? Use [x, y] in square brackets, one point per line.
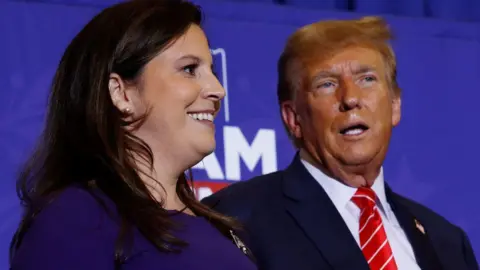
[202, 116]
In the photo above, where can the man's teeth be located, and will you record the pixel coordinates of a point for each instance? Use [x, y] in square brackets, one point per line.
[202, 116]
[354, 131]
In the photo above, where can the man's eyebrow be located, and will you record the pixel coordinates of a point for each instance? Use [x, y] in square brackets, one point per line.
[322, 74]
[363, 69]
[325, 74]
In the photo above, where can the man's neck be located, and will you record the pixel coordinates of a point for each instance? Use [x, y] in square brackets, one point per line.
[354, 176]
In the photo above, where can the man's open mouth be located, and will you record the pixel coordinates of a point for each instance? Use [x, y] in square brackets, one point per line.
[354, 129]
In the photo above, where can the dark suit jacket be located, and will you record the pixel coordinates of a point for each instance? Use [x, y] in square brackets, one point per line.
[291, 224]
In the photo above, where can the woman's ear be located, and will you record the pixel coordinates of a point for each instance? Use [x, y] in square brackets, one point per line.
[119, 94]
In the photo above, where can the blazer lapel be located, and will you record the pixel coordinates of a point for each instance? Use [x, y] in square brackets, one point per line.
[416, 233]
[316, 215]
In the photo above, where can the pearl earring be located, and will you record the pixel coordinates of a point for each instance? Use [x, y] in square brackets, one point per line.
[127, 110]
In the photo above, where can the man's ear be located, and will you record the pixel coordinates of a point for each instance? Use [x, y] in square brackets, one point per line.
[291, 119]
[396, 110]
[120, 95]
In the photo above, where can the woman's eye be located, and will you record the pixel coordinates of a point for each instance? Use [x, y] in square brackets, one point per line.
[190, 69]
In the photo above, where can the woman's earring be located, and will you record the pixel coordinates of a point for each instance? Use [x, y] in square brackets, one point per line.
[127, 111]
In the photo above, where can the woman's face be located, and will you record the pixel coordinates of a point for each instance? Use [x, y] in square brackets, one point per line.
[182, 95]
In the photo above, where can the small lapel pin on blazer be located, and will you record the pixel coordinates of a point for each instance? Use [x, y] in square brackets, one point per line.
[239, 243]
[419, 227]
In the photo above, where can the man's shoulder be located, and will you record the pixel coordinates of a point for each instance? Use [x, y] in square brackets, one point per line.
[250, 191]
[425, 214]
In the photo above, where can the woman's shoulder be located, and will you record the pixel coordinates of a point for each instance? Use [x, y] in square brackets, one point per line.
[80, 207]
[73, 231]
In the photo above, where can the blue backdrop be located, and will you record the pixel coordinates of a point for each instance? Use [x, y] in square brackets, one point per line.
[433, 156]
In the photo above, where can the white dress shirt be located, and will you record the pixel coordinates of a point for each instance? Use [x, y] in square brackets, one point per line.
[341, 194]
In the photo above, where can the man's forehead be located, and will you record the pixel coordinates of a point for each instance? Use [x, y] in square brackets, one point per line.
[348, 58]
[346, 67]
[349, 66]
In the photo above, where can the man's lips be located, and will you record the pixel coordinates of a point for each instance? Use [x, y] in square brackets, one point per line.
[354, 128]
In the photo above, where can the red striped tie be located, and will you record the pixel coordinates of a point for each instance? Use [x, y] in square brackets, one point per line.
[373, 239]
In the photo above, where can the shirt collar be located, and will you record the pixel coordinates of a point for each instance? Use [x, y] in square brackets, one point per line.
[379, 188]
[341, 194]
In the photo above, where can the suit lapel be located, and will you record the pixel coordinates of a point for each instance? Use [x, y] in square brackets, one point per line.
[314, 212]
[416, 233]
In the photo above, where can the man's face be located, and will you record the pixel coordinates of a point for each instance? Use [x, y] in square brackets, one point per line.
[345, 114]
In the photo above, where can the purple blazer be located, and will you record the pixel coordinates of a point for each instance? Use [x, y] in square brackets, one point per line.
[76, 232]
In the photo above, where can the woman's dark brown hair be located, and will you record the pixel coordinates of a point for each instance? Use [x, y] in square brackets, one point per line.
[84, 141]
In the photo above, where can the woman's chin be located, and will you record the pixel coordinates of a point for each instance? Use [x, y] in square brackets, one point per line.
[203, 150]
[207, 150]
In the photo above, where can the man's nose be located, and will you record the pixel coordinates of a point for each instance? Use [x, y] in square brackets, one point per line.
[349, 97]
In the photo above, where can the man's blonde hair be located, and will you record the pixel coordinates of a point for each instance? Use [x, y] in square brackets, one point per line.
[319, 41]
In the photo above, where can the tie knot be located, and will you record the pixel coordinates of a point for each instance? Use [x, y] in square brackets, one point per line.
[364, 197]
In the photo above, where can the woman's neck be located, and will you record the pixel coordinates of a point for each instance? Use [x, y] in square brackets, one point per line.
[161, 181]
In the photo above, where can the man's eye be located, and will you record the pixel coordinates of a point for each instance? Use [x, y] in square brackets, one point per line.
[370, 78]
[326, 85]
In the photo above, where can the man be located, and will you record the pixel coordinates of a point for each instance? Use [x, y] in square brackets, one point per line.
[331, 209]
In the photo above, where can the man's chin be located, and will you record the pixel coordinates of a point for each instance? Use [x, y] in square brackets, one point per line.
[357, 158]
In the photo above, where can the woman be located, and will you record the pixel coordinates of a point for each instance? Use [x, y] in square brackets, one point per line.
[131, 109]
